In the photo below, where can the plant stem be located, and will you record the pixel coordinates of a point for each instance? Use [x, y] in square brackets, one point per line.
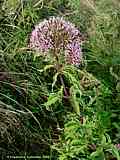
[62, 82]
[58, 67]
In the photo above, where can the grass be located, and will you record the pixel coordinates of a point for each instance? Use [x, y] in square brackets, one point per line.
[36, 121]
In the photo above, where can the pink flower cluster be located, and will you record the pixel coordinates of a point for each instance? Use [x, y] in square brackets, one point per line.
[58, 35]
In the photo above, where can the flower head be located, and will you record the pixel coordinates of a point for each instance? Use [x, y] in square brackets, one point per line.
[58, 35]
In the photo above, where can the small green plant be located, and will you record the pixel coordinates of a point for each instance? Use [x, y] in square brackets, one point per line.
[83, 139]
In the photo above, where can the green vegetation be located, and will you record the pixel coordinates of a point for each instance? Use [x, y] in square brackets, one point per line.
[36, 119]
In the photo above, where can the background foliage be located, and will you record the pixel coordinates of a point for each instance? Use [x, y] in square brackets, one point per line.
[35, 117]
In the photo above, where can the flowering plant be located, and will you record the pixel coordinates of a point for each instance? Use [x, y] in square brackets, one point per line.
[61, 40]
[57, 36]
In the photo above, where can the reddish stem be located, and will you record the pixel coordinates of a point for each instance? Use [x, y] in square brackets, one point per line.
[62, 82]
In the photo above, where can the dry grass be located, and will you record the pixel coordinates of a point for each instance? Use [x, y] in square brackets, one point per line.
[9, 124]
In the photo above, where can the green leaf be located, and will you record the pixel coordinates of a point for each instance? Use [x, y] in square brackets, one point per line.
[74, 101]
[54, 80]
[115, 152]
[97, 155]
[54, 97]
[48, 67]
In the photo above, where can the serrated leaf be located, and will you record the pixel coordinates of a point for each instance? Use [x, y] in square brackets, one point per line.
[51, 100]
[54, 97]
[54, 80]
